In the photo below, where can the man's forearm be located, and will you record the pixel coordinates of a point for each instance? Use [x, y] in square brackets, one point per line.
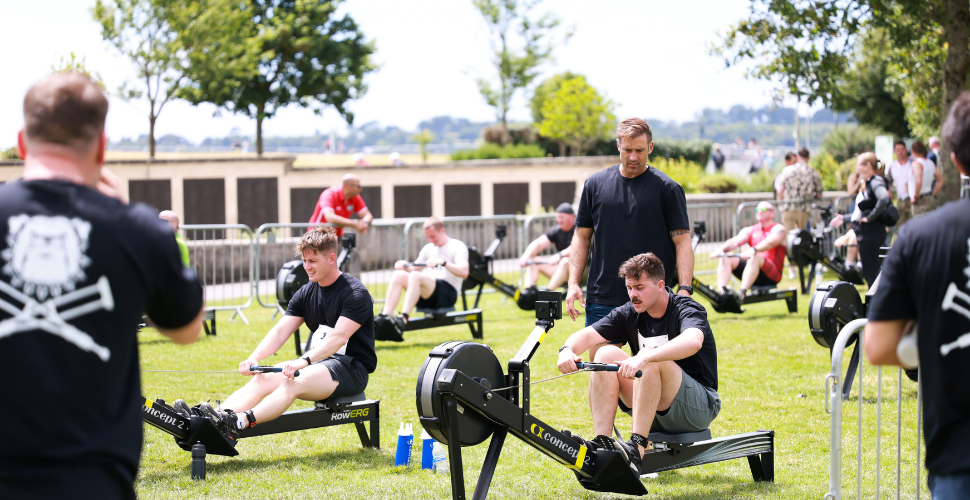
[685, 260]
[328, 348]
[578, 254]
[336, 219]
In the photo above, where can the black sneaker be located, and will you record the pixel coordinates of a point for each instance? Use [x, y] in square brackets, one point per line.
[399, 325]
[182, 408]
[225, 420]
[630, 453]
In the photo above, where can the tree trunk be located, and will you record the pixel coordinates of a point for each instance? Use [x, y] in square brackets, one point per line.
[151, 136]
[259, 131]
[954, 81]
[562, 148]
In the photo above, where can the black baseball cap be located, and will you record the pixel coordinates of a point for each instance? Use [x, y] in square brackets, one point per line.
[565, 208]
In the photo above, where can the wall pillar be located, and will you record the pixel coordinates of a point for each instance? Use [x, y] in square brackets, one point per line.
[387, 201]
[488, 198]
[438, 199]
[535, 195]
[283, 201]
[232, 200]
[178, 197]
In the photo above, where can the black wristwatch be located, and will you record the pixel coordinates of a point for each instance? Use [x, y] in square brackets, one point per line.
[307, 359]
[690, 289]
[565, 347]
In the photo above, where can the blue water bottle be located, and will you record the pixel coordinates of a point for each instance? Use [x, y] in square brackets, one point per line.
[427, 459]
[404, 440]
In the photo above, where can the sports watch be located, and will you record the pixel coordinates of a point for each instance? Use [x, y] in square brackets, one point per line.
[690, 289]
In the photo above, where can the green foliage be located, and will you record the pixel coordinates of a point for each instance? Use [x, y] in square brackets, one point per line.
[695, 150]
[489, 151]
[865, 91]
[516, 68]
[761, 182]
[10, 154]
[846, 143]
[917, 79]
[577, 115]
[834, 174]
[687, 173]
[308, 55]
[74, 65]
[718, 183]
[545, 90]
[423, 138]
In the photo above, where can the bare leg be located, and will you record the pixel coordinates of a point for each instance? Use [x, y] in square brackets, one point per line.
[419, 286]
[398, 281]
[313, 384]
[751, 271]
[531, 276]
[725, 267]
[561, 275]
[249, 395]
[606, 388]
[652, 392]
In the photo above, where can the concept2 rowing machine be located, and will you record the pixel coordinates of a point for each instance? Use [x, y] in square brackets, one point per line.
[200, 435]
[805, 251]
[722, 302]
[459, 406]
[480, 273]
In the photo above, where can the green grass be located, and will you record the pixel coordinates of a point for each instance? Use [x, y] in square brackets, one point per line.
[771, 377]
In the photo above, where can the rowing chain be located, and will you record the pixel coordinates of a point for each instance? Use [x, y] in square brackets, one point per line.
[190, 371]
[541, 380]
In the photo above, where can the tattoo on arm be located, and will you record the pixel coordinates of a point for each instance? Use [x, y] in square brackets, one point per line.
[677, 232]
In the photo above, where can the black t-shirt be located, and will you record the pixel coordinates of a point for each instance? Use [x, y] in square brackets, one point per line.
[926, 277]
[624, 325]
[562, 239]
[629, 217]
[347, 297]
[75, 393]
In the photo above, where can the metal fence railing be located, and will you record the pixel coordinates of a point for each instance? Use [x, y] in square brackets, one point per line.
[872, 459]
[222, 257]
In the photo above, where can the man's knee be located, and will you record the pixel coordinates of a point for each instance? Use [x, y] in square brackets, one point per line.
[400, 277]
[609, 354]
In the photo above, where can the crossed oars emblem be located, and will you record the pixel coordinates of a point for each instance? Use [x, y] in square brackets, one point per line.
[45, 315]
[949, 304]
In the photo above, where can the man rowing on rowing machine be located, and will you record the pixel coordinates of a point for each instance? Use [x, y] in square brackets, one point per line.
[766, 253]
[339, 312]
[672, 344]
[556, 266]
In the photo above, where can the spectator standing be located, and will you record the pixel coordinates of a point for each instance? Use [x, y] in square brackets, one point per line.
[898, 173]
[790, 159]
[934, 154]
[718, 157]
[614, 201]
[925, 180]
[924, 279]
[799, 187]
[338, 203]
[868, 227]
[173, 220]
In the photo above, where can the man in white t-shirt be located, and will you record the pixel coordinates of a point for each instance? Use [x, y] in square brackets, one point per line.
[433, 280]
[898, 172]
[925, 180]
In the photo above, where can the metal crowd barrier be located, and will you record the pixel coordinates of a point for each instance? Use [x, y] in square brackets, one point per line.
[372, 261]
[719, 217]
[869, 428]
[222, 256]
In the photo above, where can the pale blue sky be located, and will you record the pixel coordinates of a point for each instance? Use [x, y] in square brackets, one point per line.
[650, 57]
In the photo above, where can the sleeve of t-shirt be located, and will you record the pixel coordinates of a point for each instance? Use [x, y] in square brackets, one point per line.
[357, 306]
[584, 216]
[675, 208]
[318, 210]
[551, 233]
[460, 250]
[329, 199]
[176, 295]
[692, 315]
[295, 307]
[614, 326]
[892, 299]
[358, 203]
[817, 177]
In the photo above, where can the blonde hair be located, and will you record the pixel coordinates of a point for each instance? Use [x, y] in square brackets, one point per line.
[873, 162]
[632, 128]
[433, 222]
[322, 240]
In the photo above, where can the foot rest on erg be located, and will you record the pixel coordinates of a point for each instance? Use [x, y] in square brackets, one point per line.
[355, 409]
[768, 293]
[209, 322]
[678, 450]
[445, 316]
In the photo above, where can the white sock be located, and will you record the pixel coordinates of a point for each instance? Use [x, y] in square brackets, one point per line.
[241, 421]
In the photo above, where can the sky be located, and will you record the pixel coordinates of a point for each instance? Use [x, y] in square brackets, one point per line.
[650, 57]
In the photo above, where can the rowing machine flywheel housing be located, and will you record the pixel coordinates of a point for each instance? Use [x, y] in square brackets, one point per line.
[801, 246]
[834, 304]
[473, 359]
[291, 278]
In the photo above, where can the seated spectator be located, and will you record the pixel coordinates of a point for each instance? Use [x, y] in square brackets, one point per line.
[555, 267]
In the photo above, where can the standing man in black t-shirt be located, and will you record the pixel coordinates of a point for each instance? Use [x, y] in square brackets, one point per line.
[626, 210]
[555, 267]
[78, 269]
[672, 345]
[926, 278]
[339, 311]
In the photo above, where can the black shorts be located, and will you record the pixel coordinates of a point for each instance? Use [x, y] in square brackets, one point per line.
[444, 295]
[350, 374]
[762, 279]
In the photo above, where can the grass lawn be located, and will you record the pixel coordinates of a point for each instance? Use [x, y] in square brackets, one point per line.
[771, 376]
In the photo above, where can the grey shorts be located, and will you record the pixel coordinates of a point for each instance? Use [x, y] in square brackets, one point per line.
[693, 409]
[350, 375]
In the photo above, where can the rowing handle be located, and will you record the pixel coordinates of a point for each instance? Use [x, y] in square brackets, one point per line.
[269, 369]
[601, 367]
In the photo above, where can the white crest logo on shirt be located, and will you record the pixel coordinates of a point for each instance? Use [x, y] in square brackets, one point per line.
[45, 257]
[951, 303]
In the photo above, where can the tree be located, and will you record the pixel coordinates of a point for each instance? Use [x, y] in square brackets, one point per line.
[517, 67]
[160, 36]
[864, 90]
[307, 56]
[577, 115]
[805, 46]
[423, 139]
[75, 65]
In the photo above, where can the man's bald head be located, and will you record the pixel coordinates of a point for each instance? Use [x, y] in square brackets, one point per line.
[171, 217]
[67, 109]
[351, 186]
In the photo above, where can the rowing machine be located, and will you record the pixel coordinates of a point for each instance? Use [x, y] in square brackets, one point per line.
[459, 407]
[722, 302]
[480, 274]
[292, 276]
[805, 250]
[200, 435]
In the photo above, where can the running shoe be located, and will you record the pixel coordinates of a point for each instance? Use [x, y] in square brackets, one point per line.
[399, 325]
[224, 420]
[630, 454]
[182, 408]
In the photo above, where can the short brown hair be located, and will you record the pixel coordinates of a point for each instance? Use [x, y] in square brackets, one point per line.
[433, 222]
[803, 153]
[322, 240]
[645, 263]
[918, 148]
[789, 156]
[956, 129]
[632, 128]
[65, 108]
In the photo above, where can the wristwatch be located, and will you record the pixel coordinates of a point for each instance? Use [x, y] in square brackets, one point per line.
[690, 289]
[561, 349]
[307, 359]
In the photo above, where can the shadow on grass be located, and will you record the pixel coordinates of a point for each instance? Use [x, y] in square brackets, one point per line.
[699, 485]
[357, 459]
[393, 346]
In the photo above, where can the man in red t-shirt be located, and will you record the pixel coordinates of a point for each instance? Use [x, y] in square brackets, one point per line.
[338, 203]
[766, 252]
